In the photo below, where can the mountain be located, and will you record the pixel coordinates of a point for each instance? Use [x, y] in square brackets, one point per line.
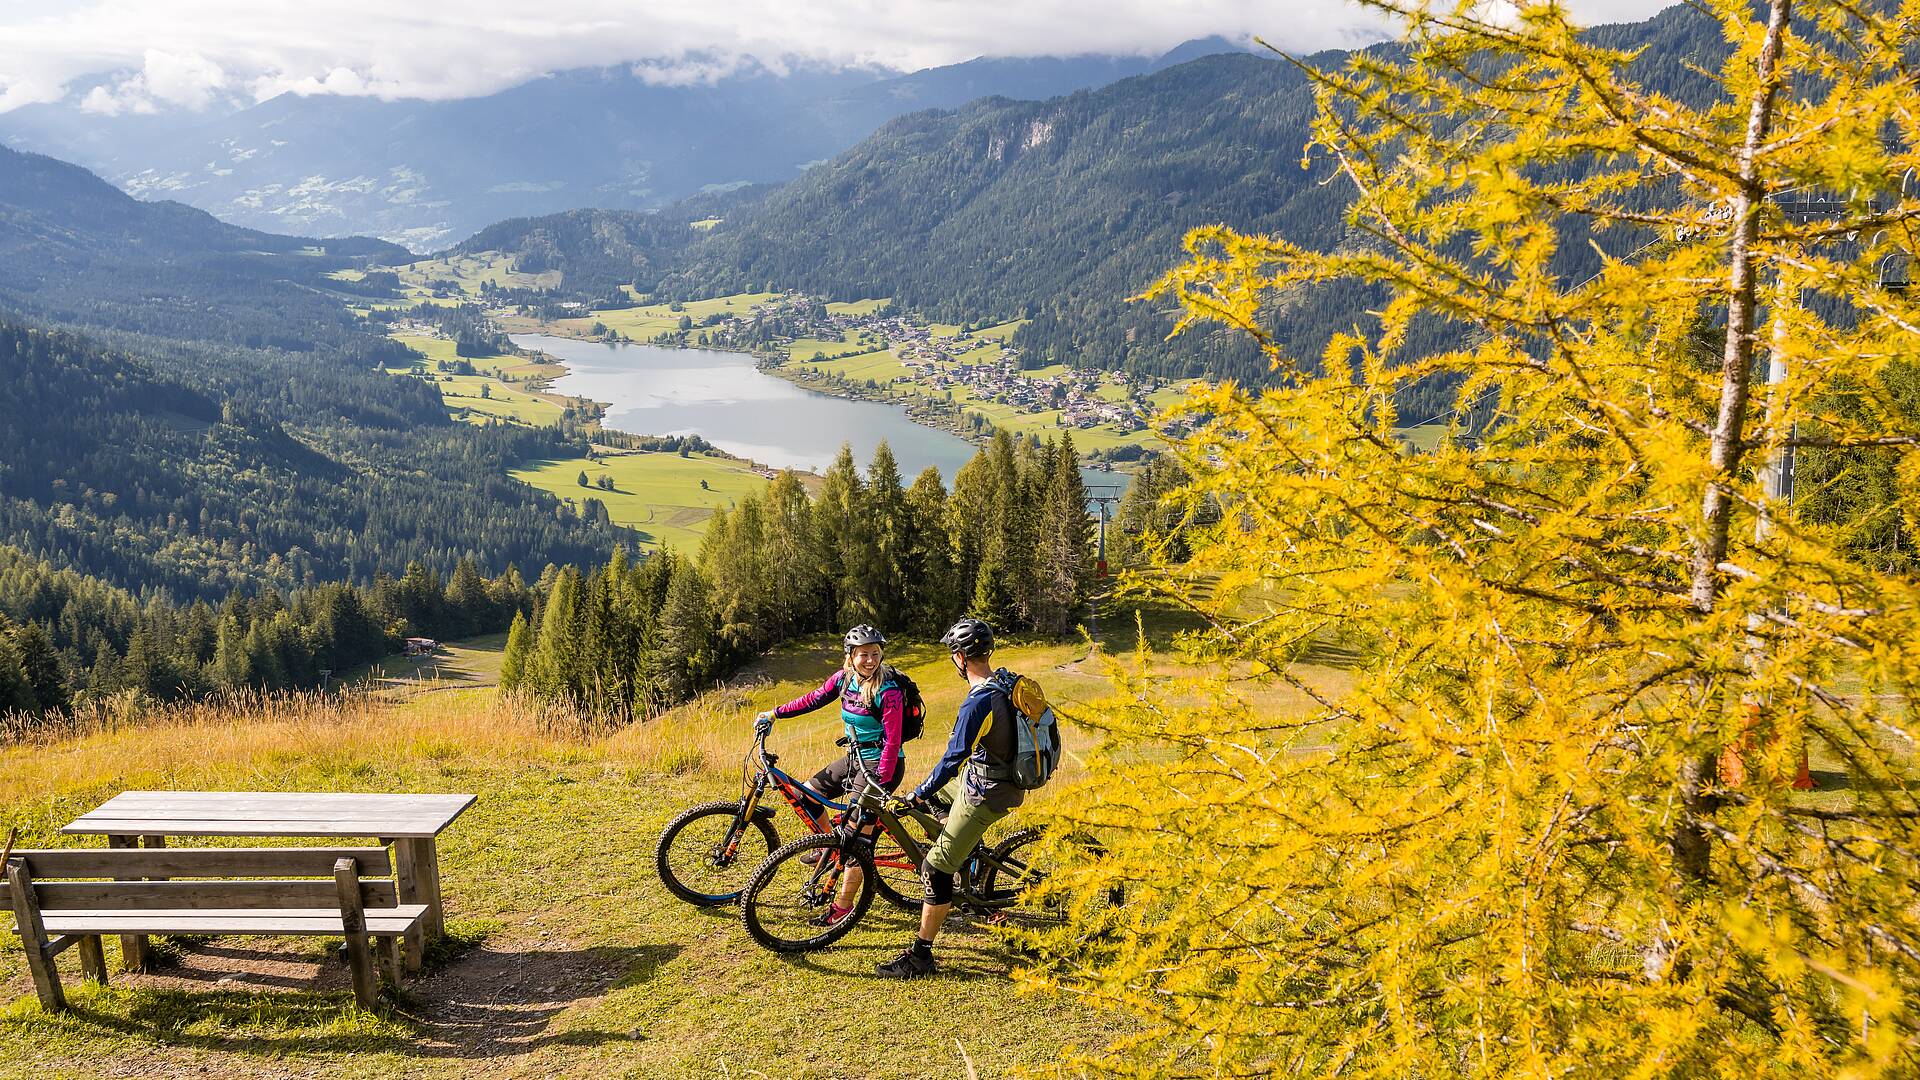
[427, 173]
[1056, 211]
[75, 249]
[186, 408]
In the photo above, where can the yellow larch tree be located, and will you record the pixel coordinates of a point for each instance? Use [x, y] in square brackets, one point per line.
[1506, 841]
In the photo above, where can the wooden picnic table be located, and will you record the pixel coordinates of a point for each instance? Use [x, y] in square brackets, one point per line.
[408, 822]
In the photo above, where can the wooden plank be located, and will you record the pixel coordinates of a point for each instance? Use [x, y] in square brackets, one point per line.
[33, 937]
[187, 895]
[202, 862]
[274, 813]
[353, 925]
[277, 798]
[382, 921]
[332, 828]
[133, 947]
[93, 959]
[58, 945]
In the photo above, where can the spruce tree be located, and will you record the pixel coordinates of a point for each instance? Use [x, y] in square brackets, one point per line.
[881, 573]
[793, 577]
[970, 516]
[513, 665]
[16, 692]
[684, 656]
[1064, 562]
[41, 663]
[553, 671]
[927, 574]
[842, 540]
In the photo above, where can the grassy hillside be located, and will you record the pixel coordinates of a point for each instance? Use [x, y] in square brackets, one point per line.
[576, 961]
[658, 495]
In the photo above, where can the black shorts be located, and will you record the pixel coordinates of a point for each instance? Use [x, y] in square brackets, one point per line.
[836, 779]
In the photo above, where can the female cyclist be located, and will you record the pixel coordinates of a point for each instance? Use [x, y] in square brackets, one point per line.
[872, 709]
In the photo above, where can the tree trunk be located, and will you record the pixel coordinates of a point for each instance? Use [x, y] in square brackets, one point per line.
[1691, 846]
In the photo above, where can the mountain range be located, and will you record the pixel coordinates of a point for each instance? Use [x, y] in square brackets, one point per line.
[426, 173]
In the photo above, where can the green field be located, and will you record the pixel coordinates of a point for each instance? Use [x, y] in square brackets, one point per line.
[512, 402]
[659, 495]
[650, 320]
[469, 271]
[857, 307]
[880, 366]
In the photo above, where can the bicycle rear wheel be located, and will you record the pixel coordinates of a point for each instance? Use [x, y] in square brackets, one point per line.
[1005, 877]
[785, 903]
[706, 855]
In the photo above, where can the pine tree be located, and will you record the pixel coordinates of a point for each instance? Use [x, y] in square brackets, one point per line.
[685, 651]
[970, 517]
[927, 574]
[886, 526]
[16, 692]
[41, 665]
[842, 540]
[513, 664]
[1064, 558]
[232, 668]
[793, 580]
[553, 671]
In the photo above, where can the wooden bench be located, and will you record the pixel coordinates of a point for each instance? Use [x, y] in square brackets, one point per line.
[180, 891]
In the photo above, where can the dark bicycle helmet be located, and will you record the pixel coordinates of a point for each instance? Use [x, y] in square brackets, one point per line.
[864, 635]
[969, 637]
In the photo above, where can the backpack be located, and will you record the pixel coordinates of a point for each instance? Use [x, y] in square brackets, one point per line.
[1036, 734]
[913, 707]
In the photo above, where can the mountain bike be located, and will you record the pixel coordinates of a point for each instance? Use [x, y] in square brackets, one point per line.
[784, 905]
[706, 855]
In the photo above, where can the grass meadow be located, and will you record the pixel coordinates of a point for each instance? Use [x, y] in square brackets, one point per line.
[657, 494]
[567, 956]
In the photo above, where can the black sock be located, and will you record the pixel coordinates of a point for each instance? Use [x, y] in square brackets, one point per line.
[922, 948]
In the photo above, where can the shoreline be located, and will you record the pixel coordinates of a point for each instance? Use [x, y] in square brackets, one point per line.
[546, 359]
[778, 365]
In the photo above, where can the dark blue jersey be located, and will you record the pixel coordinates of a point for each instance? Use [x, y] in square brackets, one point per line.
[982, 736]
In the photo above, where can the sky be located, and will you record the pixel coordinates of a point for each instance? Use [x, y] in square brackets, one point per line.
[139, 56]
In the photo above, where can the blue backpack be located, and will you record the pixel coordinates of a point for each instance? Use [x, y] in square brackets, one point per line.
[1036, 734]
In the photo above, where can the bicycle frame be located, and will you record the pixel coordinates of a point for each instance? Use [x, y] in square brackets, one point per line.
[770, 775]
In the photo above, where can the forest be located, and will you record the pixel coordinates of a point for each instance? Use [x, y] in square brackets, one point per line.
[66, 637]
[1011, 542]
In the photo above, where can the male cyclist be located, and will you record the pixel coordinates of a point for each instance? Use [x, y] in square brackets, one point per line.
[982, 742]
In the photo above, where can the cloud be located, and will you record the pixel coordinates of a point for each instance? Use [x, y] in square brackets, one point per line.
[139, 55]
[187, 80]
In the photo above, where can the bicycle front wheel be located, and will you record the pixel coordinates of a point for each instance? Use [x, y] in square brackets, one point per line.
[707, 853]
[786, 905]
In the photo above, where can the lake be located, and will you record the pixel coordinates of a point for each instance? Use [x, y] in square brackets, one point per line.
[723, 398]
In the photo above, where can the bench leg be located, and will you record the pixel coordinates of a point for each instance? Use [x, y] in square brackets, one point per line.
[353, 924]
[33, 937]
[390, 960]
[133, 947]
[407, 882]
[93, 959]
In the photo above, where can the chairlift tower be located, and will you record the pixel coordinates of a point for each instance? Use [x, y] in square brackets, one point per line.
[1104, 496]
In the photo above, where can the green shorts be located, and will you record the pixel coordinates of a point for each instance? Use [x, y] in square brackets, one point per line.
[966, 824]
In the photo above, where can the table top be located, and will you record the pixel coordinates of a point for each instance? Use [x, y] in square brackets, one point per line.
[272, 813]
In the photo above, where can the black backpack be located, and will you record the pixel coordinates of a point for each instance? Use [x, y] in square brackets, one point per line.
[913, 708]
